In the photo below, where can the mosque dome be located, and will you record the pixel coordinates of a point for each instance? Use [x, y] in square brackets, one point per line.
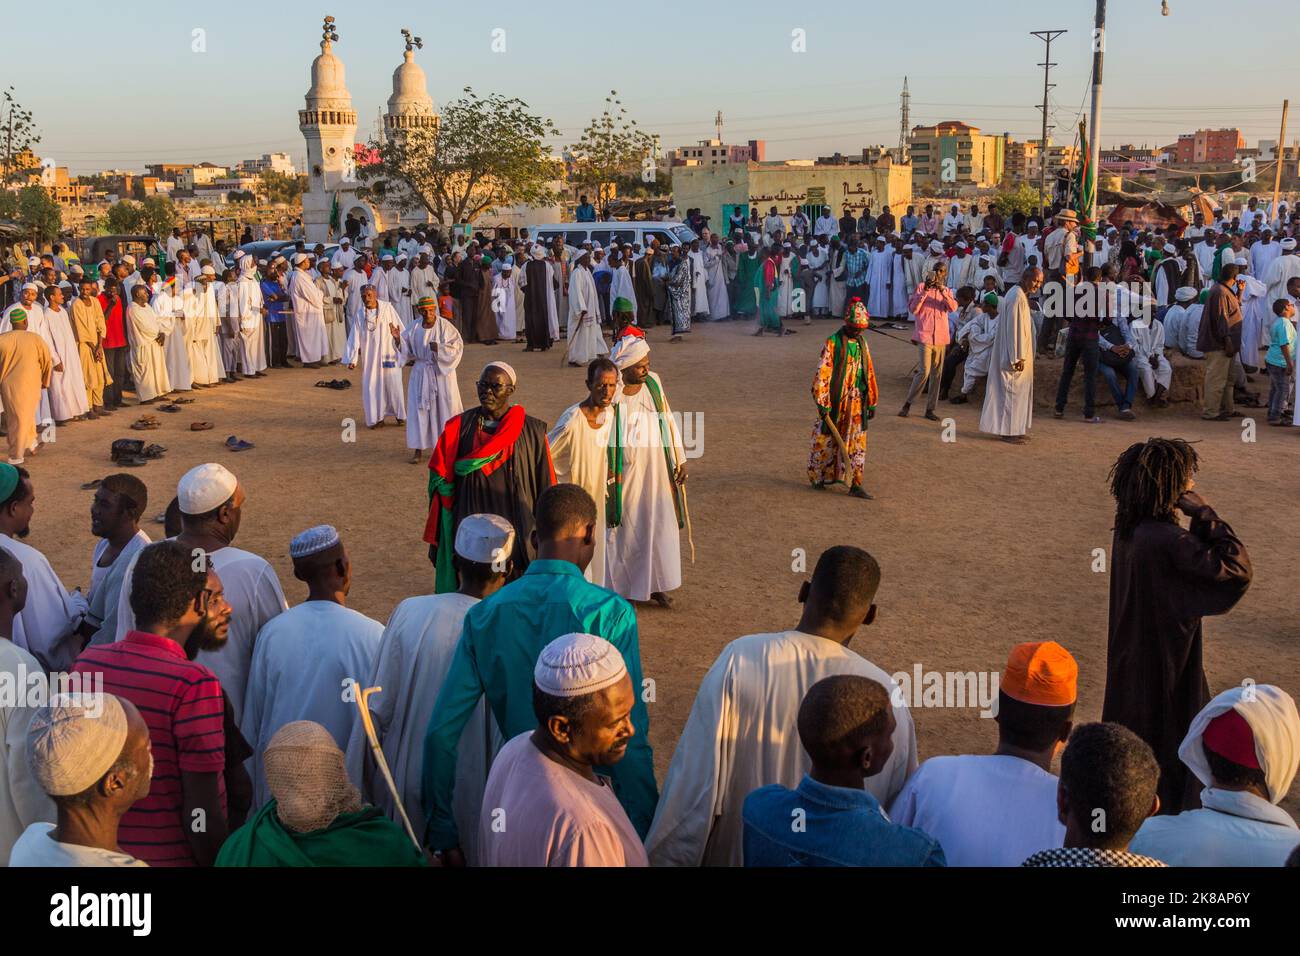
[328, 88]
[410, 90]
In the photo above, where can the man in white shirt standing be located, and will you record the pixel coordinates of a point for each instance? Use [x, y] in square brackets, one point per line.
[739, 735]
[998, 809]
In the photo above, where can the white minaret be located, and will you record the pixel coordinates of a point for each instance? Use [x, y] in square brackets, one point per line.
[329, 125]
[409, 108]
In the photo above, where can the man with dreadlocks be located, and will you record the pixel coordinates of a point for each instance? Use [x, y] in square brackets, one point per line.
[845, 391]
[1164, 578]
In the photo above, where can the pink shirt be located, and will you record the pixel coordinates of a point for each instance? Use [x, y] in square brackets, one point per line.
[537, 812]
[931, 308]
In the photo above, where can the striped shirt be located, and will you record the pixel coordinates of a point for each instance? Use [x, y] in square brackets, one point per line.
[181, 702]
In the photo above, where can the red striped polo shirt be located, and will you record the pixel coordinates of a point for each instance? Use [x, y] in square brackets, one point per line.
[181, 702]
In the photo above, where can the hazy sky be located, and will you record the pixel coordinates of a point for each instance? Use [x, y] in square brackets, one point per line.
[126, 89]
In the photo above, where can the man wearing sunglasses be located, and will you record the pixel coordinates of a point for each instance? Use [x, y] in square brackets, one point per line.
[492, 459]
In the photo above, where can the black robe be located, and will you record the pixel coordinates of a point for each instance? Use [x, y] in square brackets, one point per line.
[539, 295]
[1163, 580]
[512, 490]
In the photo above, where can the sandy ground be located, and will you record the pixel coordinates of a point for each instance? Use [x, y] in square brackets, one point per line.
[982, 544]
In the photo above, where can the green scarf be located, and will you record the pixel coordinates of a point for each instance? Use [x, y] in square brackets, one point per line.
[839, 364]
[364, 838]
[614, 458]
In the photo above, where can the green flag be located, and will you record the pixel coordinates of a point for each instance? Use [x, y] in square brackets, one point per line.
[334, 215]
[1084, 187]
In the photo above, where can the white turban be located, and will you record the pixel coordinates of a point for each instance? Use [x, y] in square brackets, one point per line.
[74, 741]
[576, 665]
[1186, 294]
[537, 252]
[936, 247]
[628, 351]
[1271, 714]
[1288, 243]
[509, 370]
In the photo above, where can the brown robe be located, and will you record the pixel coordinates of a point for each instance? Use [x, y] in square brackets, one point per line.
[90, 329]
[1163, 579]
[485, 320]
[25, 368]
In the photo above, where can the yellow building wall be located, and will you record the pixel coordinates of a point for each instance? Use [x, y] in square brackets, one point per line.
[762, 186]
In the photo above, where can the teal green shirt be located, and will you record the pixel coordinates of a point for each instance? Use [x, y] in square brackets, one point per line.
[498, 649]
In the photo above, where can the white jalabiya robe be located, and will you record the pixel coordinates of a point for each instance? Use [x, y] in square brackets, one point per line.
[580, 456]
[308, 317]
[1149, 340]
[343, 258]
[839, 288]
[148, 361]
[785, 287]
[504, 306]
[302, 662]
[1263, 255]
[1256, 317]
[248, 319]
[414, 655]
[227, 323]
[620, 287]
[423, 282]
[399, 293]
[818, 262]
[67, 388]
[371, 345]
[254, 595]
[22, 800]
[715, 280]
[899, 295]
[879, 271]
[44, 627]
[1009, 396]
[741, 735]
[336, 330]
[643, 555]
[1191, 331]
[981, 329]
[699, 284]
[171, 322]
[959, 272]
[354, 280]
[585, 339]
[432, 393]
[200, 331]
[984, 266]
[1283, 269]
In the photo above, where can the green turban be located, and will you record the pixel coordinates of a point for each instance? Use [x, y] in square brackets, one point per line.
[622, 305]
[8, 480]
[991, 299]
[18, 315]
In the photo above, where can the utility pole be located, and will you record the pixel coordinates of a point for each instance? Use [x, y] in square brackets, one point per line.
[1094, 122]
[1047, 36]
[1281, 151]
[717, 122]
[905, 123]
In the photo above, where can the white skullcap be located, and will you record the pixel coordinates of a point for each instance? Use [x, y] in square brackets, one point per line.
[129, 258]
[402, 257]
[578, 664]
[485, 538]
[313, 541]
[1242, 261]
[149, 262]
[628, 351]
[387, 257]
[936, 247]
[205, 487]
[1034, 223]
[208, 271]
[1186, 294]
[1170, 248]
[299, 258]
[74, 741]
[962, 245]
[345, 241]
[508, 369]
[813, 243]
[33, 262]
[261, 262]
[1288, 243]
[30, 285]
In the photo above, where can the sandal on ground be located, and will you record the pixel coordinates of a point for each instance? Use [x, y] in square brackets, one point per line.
[200, 426]
[238, 444]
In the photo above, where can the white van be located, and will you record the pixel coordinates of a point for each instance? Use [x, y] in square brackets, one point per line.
[576, 233]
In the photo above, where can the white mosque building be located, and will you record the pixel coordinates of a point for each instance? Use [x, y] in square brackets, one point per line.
[329, 125]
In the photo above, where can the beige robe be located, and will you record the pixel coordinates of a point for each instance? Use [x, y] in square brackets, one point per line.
[25, 368]
[90, 329]
[148, 361]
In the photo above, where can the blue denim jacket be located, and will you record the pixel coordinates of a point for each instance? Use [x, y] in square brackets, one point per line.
[820, 825]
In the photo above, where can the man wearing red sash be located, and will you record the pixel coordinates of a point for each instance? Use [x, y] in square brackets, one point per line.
[493, 459]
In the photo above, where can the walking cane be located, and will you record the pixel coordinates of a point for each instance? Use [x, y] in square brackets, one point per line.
[839, 441]
[362, 697]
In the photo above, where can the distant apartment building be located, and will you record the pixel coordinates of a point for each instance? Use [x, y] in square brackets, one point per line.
[954, 155]
[1024, 160]
[274, 162]
[167, 172]
[203, 174]
[219, 190]
[714, 152]
[1209, 146]
[870, 156]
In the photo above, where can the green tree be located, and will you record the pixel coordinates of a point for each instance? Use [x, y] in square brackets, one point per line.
[1022, 198]
[611, 149]
[281, 188]
[485, 153]
[38, 214]
[124, 218]
[17, 134]
[158, 215]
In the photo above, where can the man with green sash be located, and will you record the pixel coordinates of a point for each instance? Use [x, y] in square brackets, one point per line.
[493, 459]
[746, 266]
[845, 391]
[315, 816]
[767, 287]
[645, 498]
